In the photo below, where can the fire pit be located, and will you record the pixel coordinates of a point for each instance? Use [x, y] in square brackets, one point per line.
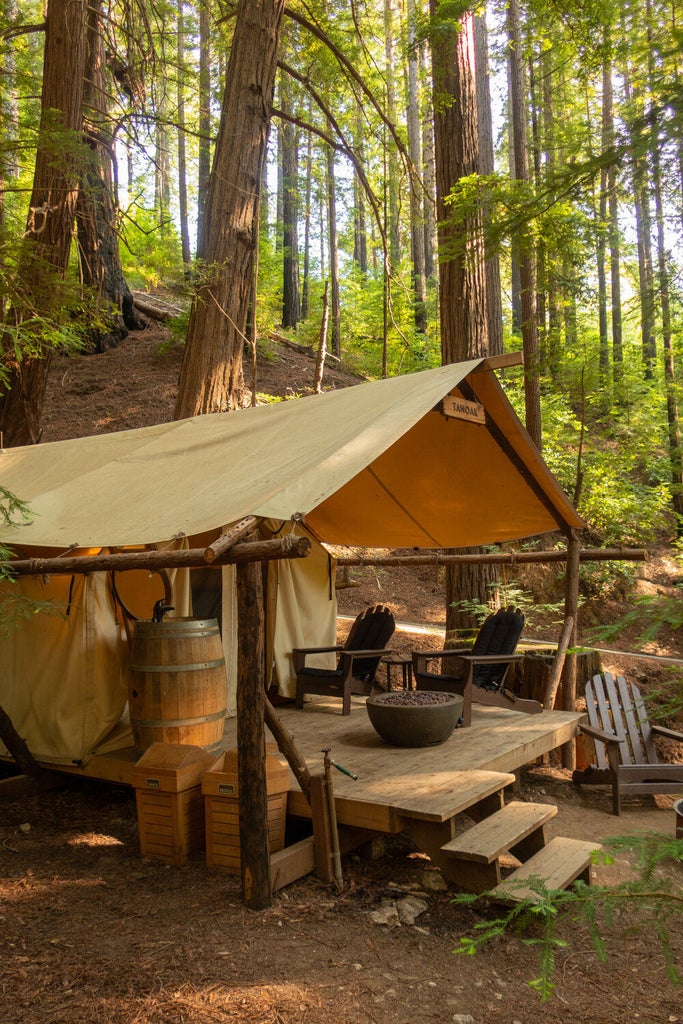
[414, 718]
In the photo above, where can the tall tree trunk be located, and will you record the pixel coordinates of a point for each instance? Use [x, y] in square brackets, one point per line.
[306, 284]
[211, 373]
[462, 296]
[182, 159]
[162, 156]
[553, 307]
[96, 214]
[527, 275]
[335, 307]
[429, 177]
[291, 290]
[494, 305]
[46, 244]
[204, 142]
[360, 232]
[9, 117]
[643, 221]
[417, 237]
[673, 423]
[613, 220]
[392, 227]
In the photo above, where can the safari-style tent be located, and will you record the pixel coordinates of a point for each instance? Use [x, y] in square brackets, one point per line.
[436, 459]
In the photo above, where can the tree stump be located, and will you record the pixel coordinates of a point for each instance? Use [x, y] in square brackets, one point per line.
[529, 677]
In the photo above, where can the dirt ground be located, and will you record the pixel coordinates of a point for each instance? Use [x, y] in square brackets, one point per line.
[91, 932]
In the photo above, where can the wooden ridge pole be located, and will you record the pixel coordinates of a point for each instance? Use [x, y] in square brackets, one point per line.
[499, 558]
[288, 546]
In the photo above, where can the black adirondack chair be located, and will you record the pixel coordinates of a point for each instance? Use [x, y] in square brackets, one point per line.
[478, 672]
[626, 758]
[357, 664]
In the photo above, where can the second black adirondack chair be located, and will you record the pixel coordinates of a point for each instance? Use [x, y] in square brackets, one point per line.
[478, 672]
[358, 661]
[625, 753]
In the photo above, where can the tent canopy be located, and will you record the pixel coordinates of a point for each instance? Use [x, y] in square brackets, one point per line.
[380, 464]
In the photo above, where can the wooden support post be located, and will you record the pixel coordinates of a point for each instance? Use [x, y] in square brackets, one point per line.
[558, 664]
[287, 746]
[571, 610]
[322, 835]
[251, 740]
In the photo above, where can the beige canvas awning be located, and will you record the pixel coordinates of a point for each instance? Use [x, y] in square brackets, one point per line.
[380, 464]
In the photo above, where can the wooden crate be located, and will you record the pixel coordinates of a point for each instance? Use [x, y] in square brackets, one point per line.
[221, 805]
[170, 804]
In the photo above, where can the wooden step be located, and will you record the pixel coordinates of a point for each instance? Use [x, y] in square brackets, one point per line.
[517, 827]
[500, 832]
[558, 864]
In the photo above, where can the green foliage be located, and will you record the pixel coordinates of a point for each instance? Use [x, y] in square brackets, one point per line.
[650, 614]
[13, 605]
[150, 254]
[646, 902]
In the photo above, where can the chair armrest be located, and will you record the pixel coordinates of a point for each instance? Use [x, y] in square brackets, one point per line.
[316, 650]
[491, 659]
[373, 653]
[299, 655]
[670, 734]
[599, 734]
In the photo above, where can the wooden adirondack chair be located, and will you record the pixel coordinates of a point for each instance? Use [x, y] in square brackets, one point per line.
[358, 660]
[624, 742]
[478, 672]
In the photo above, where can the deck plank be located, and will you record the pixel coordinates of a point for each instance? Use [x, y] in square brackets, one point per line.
[426, 783]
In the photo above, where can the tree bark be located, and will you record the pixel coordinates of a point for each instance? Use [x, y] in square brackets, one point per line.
[251, 743]
[204, 143]
[96, 214]
[494, 305]
[462, 270]
[47, 242]
[211, 372]
[527, 274]
[417, 234]
[182, 157]
[291, 291]
[335, 307]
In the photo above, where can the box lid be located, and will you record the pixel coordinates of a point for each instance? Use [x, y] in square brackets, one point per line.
[171, 767]
[221, 777]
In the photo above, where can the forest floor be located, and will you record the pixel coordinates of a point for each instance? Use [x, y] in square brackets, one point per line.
[90, 932]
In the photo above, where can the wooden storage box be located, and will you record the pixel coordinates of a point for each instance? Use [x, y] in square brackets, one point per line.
[221, 804]
[168, 794]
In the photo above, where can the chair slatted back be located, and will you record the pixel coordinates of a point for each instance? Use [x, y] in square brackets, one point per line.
[616, 706]
[370, 631]
[499, 634]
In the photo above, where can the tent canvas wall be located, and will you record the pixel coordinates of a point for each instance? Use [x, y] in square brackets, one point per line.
[391, 463]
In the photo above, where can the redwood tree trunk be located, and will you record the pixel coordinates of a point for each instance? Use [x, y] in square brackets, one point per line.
[462, 270]
[211, 373]
[98, 243]
[46, 244]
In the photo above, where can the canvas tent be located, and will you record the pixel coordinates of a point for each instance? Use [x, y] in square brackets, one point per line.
[431, 460]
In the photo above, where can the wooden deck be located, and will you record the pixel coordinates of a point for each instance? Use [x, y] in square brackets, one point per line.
[398, 785]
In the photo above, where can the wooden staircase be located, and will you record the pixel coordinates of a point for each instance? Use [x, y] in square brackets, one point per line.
[518, 828]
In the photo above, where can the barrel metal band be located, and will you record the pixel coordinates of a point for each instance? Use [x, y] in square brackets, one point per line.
[166, 722]
[196, 667]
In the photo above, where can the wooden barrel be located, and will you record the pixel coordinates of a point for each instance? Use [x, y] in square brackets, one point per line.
[177, 683]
